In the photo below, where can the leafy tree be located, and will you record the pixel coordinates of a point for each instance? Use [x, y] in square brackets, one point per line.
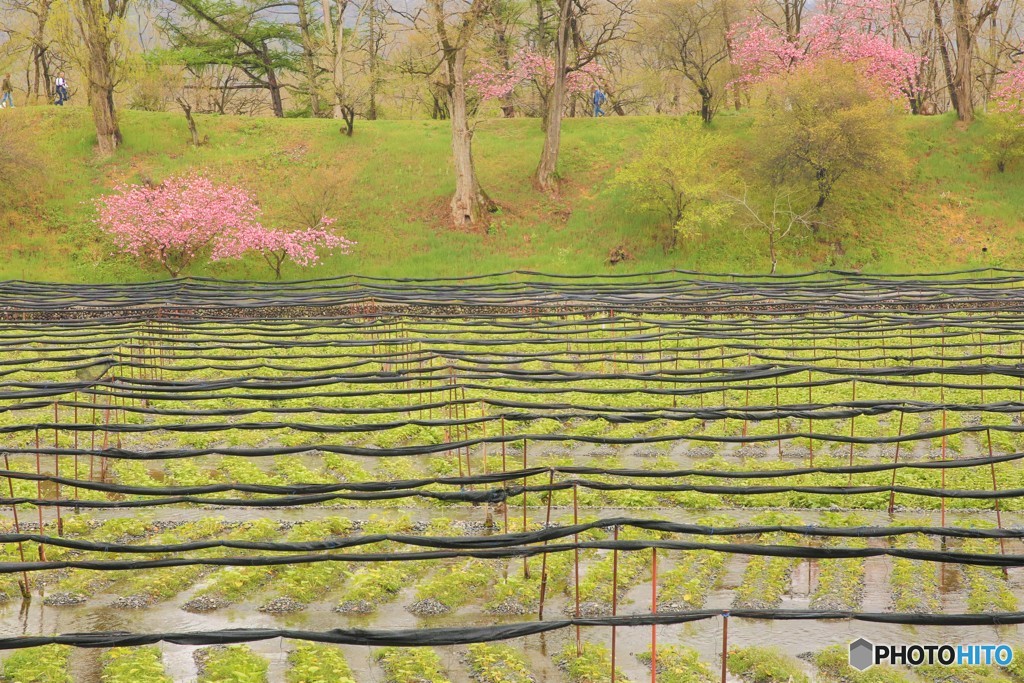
[827, 123]
[690, 37]
[243, 34]
[675, 173]
[93, 34]
[1005, 144]
[451, 25]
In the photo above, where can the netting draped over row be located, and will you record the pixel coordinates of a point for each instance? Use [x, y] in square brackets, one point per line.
[595, 417]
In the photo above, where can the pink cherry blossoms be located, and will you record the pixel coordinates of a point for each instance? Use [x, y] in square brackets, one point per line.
[493, 82]
[851, 31]
[1009, 96]
[185, 218]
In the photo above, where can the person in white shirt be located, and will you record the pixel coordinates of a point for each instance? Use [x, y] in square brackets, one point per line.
[62, 90]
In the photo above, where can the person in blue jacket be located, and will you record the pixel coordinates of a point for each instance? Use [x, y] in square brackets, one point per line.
[599, 99]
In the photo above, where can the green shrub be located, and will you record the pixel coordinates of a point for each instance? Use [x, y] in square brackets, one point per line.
[592, 665]
[133, 665]
[679, 665]
[497, 664]
[834, 665]
[411, 665]
[318, 663]
[765, 665]
[44, 664]
[232, 664]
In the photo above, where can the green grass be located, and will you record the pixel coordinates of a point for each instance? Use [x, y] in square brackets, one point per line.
[232, 664]
[391, 183]
[765, 665]
[133, 665]
[44, 664]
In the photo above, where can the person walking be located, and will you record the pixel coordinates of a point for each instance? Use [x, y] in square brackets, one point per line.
[62, 89]
[599, 99]
[8, 93]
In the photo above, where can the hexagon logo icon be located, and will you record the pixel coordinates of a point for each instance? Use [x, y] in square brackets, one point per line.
[862, 654]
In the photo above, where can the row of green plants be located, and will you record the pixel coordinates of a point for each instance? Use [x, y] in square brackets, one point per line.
[767, 579]
[840, 581]
[914, 584]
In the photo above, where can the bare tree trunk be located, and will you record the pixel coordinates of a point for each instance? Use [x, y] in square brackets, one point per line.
[546, 171]
[504, 51]
[947, 65]
[963, 81]
[309, 58]
[374, 36]
[727, 23]
[275, 92]
[348, 115]
[707, 109]
[337, 44]
[470, 202]
[192, 129]
[96, 32]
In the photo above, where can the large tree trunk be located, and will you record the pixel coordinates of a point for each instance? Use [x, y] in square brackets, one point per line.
[504, 50]
[309, 58]
[276, 102]
[96, 33]
[707, 109]
[470, 202]
[548, 167]
[108, 131]
[338, 60]
[947, 65]
[375, 35]
[963, 81]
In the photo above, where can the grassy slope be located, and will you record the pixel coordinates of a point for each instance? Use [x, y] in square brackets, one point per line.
[392, 180]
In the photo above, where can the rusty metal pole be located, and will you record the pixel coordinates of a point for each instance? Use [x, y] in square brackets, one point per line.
[544, 558]
[526, 566]
[576, 563]
[56, 468]
[39, 488]
[504, 469]
[810, 422]
[26, 587]
[725, 643]
[778, 420]
[853, 421]
[895, 460]
[75, 418]
[995, 488]
[654, 610]
[615, 592]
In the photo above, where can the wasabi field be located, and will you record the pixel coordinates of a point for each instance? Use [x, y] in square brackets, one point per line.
[510, 478]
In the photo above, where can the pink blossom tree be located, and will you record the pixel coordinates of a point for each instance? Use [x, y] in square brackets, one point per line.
[1008, 98]
[529, 67]
[187, 218]
[276, 246]
[848, 31]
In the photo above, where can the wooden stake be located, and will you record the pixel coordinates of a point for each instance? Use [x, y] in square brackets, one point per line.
[26, 587]
[615, 592]
[544, 558]
[895, 460]
[526, 566]
[725, 643]
[654, 610]
[995, 487]
[576, 564]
